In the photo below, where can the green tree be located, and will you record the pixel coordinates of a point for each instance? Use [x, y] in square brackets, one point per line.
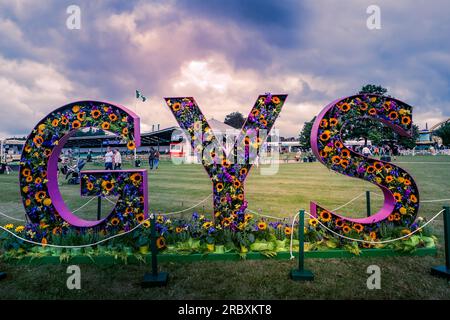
[305, 135]
[235, 119]
[374, 89]
[444, 133]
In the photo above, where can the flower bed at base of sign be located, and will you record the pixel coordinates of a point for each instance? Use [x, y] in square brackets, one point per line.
[201, 235]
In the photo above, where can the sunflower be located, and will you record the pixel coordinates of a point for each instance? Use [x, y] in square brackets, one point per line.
[346, 229]
[40, 195]
[403, 211]
[345, 154]
[388, 167]
[29, 179]
[26, 172]
[160, 243]
[38, 140]
[90, 186]
[106, 125]
[81, 116]
[136, 178]
[391, 217]
[387, 105]
[243, 171]
[236, 183]
[336, 159]
[372, 111]
[323, 154]
[207, 225]
[248, 217]
[366, 245]
[219, 187]
[325, 136]
[64, 121]
[378, 166]
[223, 200]
[407, 182]
[339, 223]
[25, 189]
[413, 198]
[146, 224]
[255, 112]
[263, 123]
[47, 152]
[128, 210]
[345, 107]
[313, 222]
[226, 163]
[38, 180]
[373, 235]
[226, 222]
[176, 106]
[338, 144]
[344, 163]
[358, 227]
[363, 106]
[287, 231]
[131, 145]
[370, 169]
[125, 131]
[27, 148]
[406, 120]
[47, 202]
[27, 202]
[75, 109]
[393, 115]
[107, 185]
[140, 217]
[262, 225]
[113, 117]
[325, 216]
[324, 123]
[96, 114]
[397, 217]
[276, 100]
[76, 124]
[333, 122]
[55, 122]
[397, 196]
[389, 179]
[115, 221]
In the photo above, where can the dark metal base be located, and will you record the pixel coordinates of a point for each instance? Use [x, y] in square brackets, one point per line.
[2, 275]
[301, 275]
[158, 280]
[441, 271]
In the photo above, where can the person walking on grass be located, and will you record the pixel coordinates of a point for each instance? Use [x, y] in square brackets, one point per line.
[151, 158]
[117, 160]
[366, 151]
[156, 159]
[109, 156]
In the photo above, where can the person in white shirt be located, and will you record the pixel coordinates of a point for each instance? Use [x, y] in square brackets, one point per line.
[366, 151]
[117, 160]
[109, 155]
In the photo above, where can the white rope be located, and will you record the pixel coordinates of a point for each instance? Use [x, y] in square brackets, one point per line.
[22, 220]
[12, 218]
[376, 242]
[422, 201]
[265, 215]
[346, 204]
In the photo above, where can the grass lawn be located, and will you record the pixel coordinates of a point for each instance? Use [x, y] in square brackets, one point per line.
[173, 188]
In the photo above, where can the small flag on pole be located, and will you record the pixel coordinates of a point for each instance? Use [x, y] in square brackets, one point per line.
[139, 95]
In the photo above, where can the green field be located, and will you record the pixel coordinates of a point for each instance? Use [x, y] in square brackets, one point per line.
[173, 188]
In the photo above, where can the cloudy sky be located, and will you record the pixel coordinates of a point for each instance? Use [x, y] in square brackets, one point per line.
[224, 53]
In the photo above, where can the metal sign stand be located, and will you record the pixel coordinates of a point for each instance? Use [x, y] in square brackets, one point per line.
[301, 274]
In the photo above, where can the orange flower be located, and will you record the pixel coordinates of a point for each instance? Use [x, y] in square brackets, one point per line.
[262, 225]
[345, 107]
[413, 198]
[113, 117]
[81, 116]
[358, 227]
[363, 106]
[263, 123]
[325, 216]
[338, 145]
[373, 235]
[131, 145]
[226, 163]
[407, 182]
[287, 231]
[140, 217]
[276, 100]
[96, 114]
[76, 124]
[393, 115]
[90, 186]
[236, 184]
[105, 125]
[346, 229]
[40, 195]
[243, 171]
[378, 166]
[160, 243]
[397, 196]
[26, 172]
[336, 159]
[44, 242]
[240, 197]
[406, 120]
[333, 122]
[219, 187]
[125, 131]
[115, 221]
[344, 163]
[176, 106]
[55, 122]
[372, 111]
[339, 223]
[397, 216]
[75, 109]
[323, 154]
[324, 123]
[38, 141]
[345, 154]
[64, 121]
[389, 179]
[255, 112]
[370, 169]
[325, 136]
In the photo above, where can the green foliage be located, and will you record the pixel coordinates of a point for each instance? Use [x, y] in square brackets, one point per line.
[373, 89]
[305, 134]
[235, 119]
[444, 133]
